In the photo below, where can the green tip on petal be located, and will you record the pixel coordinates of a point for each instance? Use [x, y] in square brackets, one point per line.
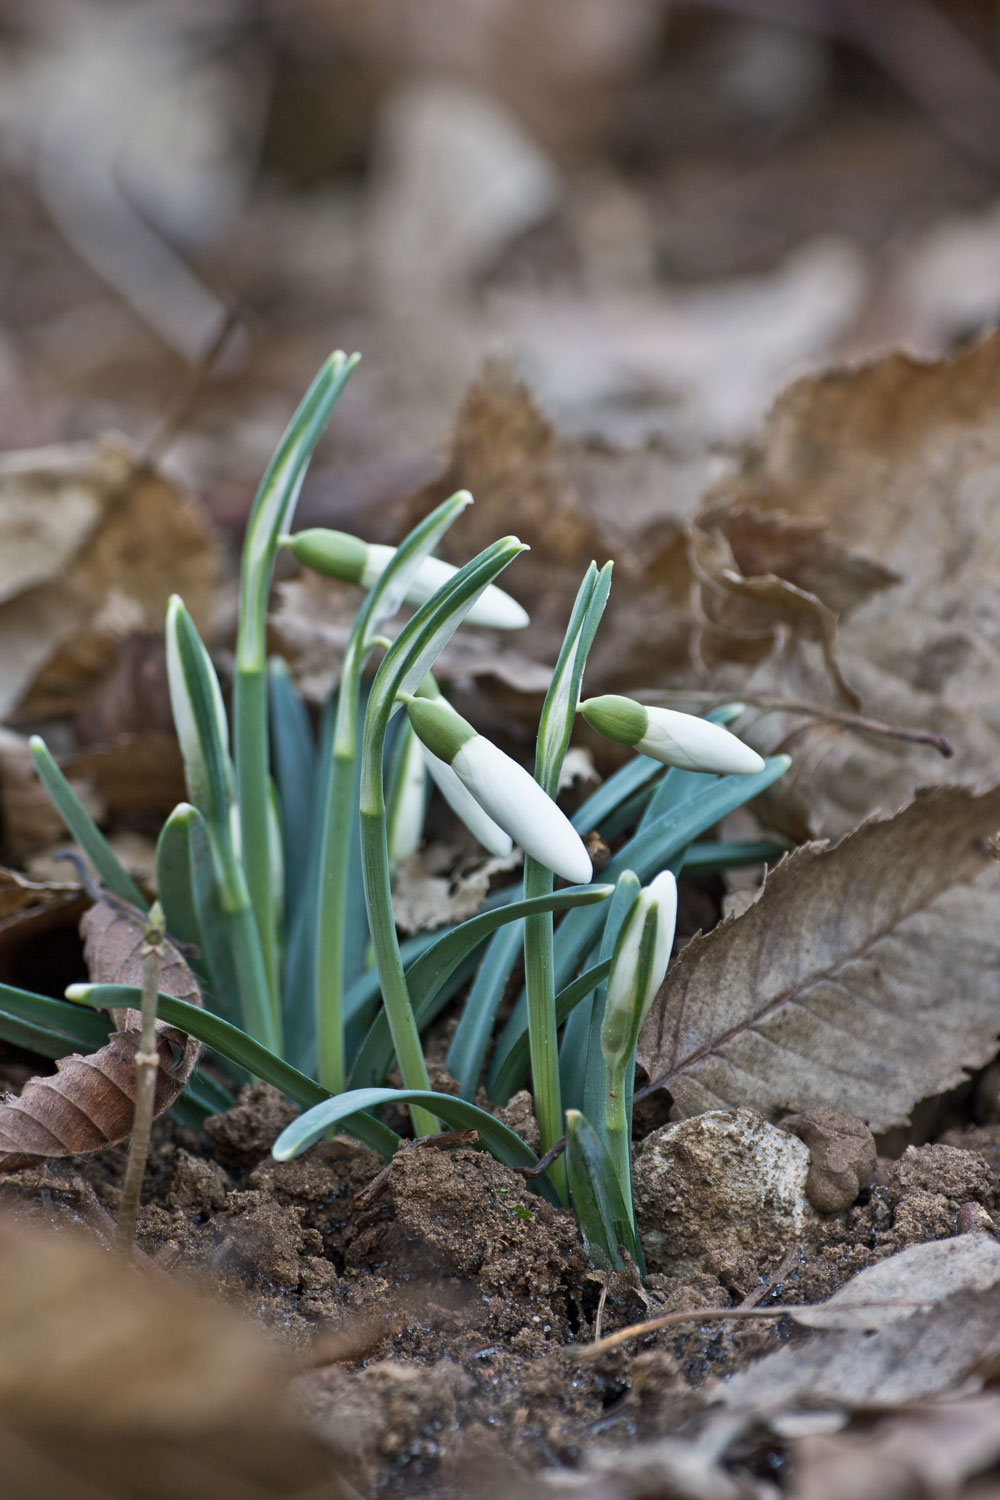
[619, 719]
[336, 554]
[439, 727]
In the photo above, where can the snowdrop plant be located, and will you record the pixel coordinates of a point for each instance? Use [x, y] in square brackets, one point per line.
[279, 866]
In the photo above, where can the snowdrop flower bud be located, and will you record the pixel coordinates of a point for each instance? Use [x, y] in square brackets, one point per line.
[508, 793]
[675, 739]
[640, 960]
[407, 799]
[340, 555]
[464, 804]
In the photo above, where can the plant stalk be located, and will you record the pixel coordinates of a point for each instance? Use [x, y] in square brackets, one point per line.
[253, 784]
[617, 1128]
[147, 1063]
[543, 1038]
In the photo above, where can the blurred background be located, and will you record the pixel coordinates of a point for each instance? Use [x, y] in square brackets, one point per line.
[658, 211]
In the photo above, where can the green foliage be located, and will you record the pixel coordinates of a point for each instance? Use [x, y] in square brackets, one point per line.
[284, 885]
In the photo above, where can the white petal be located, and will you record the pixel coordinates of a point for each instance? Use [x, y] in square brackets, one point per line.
[513, 798]
[493, 609]
[462, 802]
[694, 744]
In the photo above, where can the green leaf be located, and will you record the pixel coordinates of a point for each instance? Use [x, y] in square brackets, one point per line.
[647, 854]
[428, 973]
[458, 1113]
[511, 1064]
[275, 503]
[48, 1026]
[81, 825]
[229, 1041]
[188, 889]
[597, 1198]
[581, 1056]
[199, 718]
[293, 749]
[471, 1041]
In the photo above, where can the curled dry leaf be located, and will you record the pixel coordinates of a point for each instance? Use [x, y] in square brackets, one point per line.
[898, 462]
[759, 574]
[92, 543]
[864, 977]
[115, 1383]
[88, 1102]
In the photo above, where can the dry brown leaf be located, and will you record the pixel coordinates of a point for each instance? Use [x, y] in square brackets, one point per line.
[759, 574]
[88, 1102]
[898, 461]
[93, 543]
[921, 1452]
[916, 1276]
[913, 1359]
[864, 977]
[572, 506]
[19, 895]
[115, 1383]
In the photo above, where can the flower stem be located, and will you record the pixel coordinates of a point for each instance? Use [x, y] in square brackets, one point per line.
[539, 976]
[253, 791]
[395, 995]
[617, 1128]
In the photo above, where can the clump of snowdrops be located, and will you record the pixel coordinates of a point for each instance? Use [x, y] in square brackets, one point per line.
[279, 867]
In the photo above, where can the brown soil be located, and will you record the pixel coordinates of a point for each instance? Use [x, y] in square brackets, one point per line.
[465, 1292]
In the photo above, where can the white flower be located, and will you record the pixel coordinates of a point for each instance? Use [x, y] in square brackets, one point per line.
[462, 802]
[505, 791]
[338, 554]
[640, 961]
[512, 797]
[493, 609]
[674, 738]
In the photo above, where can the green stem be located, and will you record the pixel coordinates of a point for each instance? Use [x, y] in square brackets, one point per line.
[618, 1132]
[253, 791]
[382, 926]
[258, 1014]
[331, 922]
[543, 1038]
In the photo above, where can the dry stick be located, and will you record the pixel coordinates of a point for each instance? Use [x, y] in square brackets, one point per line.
[769, 705]
[722, 1315]
[147, 1062]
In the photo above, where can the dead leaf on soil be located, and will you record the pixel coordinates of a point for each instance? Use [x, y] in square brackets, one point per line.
[93, 543]
[88, 1103]
[422, 899]
[913, 1359]
[899, 461]
[115, 1383]
[864, 977]
[918, 1453]
[19, 895]
[918, 1275]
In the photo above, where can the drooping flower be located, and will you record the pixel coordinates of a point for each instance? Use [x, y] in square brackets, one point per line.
[508, 793]
[674, 738]
[340, 555]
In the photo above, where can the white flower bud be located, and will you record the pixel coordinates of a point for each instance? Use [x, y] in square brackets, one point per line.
[512, 797]
[340, 555]
[640, 961]
[464, 804]
[508, 793]
[673, 738]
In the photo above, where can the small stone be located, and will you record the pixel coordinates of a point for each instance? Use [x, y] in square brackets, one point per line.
[843, 1158]
[719, 1191]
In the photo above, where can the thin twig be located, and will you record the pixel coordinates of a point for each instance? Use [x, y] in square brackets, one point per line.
[769, 705]
[599, 1319]
[786, 1265]
[146, 1068]
[720, 1315]
[544, 1162]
